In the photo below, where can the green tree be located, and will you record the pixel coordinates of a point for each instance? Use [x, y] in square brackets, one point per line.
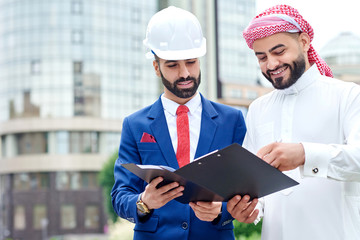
[106, 181]
[246, 230]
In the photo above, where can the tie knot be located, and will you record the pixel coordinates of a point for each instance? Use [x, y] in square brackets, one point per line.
[182, 109]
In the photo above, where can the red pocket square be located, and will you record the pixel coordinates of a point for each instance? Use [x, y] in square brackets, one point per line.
[147, 138]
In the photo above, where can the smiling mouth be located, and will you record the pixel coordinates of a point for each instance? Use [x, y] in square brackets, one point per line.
[278, 71]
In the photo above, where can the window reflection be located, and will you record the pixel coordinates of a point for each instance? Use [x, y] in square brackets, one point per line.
[23, 107]
[76, 7]
[39, 216]
[62, 139]
[76, 180]
[31, 143]
[35, 67]
[68, 216]
[92, 217]
[84, 142]
[19, 217]
[31, 181]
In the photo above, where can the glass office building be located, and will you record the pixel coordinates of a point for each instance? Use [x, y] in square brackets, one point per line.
[70, 70]
[239, 78]
[342, 54]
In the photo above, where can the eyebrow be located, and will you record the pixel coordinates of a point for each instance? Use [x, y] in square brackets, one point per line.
[170, 61]
[271, 49]
[174, 61]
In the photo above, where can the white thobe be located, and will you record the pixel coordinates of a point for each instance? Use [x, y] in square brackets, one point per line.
[324, 115]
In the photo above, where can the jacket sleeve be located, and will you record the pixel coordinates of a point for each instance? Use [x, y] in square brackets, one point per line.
[127, 186]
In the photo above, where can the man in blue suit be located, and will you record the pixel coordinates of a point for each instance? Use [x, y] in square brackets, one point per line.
[149, 136]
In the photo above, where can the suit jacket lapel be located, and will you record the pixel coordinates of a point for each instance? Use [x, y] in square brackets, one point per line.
[161, 133]
[208, 128]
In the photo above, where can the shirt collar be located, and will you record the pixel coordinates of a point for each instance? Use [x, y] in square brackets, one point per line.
[305, 80]
[171, 106]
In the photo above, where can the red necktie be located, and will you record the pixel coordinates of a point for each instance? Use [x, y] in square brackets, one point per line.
[183, 146]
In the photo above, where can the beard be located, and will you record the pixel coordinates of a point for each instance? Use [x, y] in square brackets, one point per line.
[296, 70]
[182, 93]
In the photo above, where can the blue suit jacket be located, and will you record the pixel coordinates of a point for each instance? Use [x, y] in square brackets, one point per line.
[220, 126]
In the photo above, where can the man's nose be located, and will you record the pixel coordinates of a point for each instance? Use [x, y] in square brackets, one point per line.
[272, 63]
[183, 71]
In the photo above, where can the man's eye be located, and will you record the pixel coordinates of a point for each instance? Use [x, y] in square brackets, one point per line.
[171, 66]
[190, 62]
[280, 52]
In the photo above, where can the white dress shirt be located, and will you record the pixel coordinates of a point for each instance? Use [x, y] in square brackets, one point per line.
[324, 115]
[194, 114]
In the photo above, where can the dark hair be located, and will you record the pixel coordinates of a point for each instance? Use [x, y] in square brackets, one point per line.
[157, 59]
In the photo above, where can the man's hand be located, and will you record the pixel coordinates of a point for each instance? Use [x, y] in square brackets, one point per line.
[243, 210]
[155, 198]
[206, 211]
[283, 156]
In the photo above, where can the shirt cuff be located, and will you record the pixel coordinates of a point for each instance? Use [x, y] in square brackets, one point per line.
[260, 207]
[317, 158]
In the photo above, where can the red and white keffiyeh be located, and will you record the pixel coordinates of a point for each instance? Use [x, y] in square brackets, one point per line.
[283, 18]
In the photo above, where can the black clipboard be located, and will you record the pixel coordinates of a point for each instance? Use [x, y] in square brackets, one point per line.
[219, 175]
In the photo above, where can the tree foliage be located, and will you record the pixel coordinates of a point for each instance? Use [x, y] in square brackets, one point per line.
[106, 181]
[246, 230]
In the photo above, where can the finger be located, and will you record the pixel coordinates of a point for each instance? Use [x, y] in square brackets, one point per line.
[205, 205]
[170, 195]
[232, 203]
[242, 204]
[252, 217]
[269, 158]
[276, 163]
[264, 150]
[168, 187]
[244, 209]
[153, 183]
[250, 207]
[197, 208]
[203, 215]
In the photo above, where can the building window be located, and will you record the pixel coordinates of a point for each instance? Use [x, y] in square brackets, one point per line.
[77, 67]
[77, 37]
[19, 217]
[136, 43]
[31, 181]
[31, 143]
[67, 180]
[252, 94]
[39, 216]
[89, 180]
[84, 142]
[136, 15]
[68, 216]
[62, 140]
[76, 7]
[76, 180]
[92, 217]
[136, 72]
[3, 146]
[35, 67]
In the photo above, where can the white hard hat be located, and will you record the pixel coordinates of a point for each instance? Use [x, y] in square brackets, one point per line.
[175, 34]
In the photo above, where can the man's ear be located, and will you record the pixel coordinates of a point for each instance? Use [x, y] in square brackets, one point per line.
[156, 68]
[304, 41]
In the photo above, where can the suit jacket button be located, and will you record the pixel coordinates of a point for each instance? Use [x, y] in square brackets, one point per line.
[184, 225]
[315, 170]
